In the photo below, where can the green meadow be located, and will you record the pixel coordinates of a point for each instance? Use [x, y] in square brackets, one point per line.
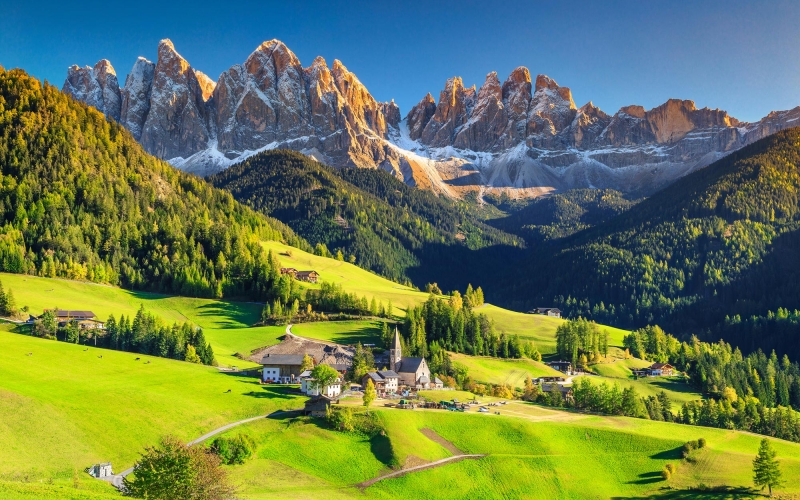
[65, 407]
[525, 457]
[504, 371]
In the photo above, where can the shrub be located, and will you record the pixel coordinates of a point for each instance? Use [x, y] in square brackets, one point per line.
[340, 419]
[665, 474]
[701, 443]
[234, 450]
[670, 468]
[174, 470]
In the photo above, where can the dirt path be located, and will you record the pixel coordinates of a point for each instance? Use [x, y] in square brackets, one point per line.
[431, 465]
[431, 434]
[436, 438]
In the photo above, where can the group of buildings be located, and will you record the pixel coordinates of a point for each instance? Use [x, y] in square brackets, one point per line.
[283, 363]
[308, 276]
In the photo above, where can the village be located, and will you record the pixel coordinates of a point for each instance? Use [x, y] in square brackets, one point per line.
[396, 378]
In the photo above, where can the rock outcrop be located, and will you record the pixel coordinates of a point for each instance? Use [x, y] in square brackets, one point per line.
[96, 87]
[524, 137]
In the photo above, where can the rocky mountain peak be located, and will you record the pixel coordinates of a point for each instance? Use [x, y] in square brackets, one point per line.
[452, 112]
[96, 86]
[136, 96]
[419, 116]
[391, 112]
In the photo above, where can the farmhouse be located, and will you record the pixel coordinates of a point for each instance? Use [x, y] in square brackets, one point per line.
[309, 276]
[655, 370]
[562, 366]
[289, 270]
[564, 390]
[281, 368]
[661, 370]
[413, 372]
[386, 381]
[547, 311]
[85, 319]
[338, 356]
[100, 470]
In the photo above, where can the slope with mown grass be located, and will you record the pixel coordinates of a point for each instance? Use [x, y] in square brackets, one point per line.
[527, 455]
[66, 406]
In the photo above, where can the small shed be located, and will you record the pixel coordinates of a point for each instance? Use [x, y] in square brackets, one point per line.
[101, 470]
[318, 406]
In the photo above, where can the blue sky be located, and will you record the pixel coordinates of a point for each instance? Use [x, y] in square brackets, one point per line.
[742, 56]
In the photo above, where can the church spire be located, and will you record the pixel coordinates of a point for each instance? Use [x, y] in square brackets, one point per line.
[396, 352]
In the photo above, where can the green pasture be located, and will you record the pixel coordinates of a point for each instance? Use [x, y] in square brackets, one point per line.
[503, 371]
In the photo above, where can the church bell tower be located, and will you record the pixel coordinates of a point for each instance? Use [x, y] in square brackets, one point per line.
[395, 352]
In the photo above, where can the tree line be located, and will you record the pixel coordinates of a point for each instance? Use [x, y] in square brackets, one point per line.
[143, 333]
[453, 325]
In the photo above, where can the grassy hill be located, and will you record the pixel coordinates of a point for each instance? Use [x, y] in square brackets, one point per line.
[530, 452]
[72, 408]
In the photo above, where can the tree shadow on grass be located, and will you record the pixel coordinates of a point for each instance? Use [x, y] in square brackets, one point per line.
[648, 478]
[704, 493]
[230, 314]
[381, 448]
[673, 454]
[270, 392]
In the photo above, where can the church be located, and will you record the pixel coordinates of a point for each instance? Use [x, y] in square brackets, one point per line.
[413, 372]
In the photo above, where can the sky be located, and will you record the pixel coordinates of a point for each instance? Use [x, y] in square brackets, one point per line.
[741, 56]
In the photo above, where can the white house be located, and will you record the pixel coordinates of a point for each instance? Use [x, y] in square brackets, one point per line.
[308, 386]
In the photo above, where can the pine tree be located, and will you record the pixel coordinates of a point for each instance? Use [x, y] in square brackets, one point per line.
[766, 470]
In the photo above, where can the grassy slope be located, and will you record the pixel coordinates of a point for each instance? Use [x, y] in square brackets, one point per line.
[502, 371]
[72, 408]
[530, 454]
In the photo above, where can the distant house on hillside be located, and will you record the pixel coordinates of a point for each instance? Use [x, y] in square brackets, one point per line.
[564, 390]
[289, 270]
[309, 276]
[562, 366]
[100, 471]
[85, 319]
[547, 311]
[661, 370]
[655, 370]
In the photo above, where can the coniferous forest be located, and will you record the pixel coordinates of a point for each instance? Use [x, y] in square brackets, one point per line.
[715, 254]
[82, 200]
[374, 220]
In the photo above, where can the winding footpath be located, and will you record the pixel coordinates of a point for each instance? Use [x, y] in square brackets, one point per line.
[431, 465]
[116, 479]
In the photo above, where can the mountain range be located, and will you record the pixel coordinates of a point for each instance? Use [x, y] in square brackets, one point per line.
[523, 137]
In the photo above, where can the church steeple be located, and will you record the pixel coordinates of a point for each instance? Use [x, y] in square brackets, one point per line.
[395, 352]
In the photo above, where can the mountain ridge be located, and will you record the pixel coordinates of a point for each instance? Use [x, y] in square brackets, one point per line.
[524, 137]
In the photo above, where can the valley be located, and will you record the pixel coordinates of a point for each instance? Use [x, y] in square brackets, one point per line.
[271, 284]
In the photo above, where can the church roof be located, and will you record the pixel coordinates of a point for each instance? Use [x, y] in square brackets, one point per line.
[410, 365]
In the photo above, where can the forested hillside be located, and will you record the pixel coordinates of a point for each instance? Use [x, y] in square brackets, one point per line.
[369, 217]
[559, 215]
[712, 254]
[80, 199]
